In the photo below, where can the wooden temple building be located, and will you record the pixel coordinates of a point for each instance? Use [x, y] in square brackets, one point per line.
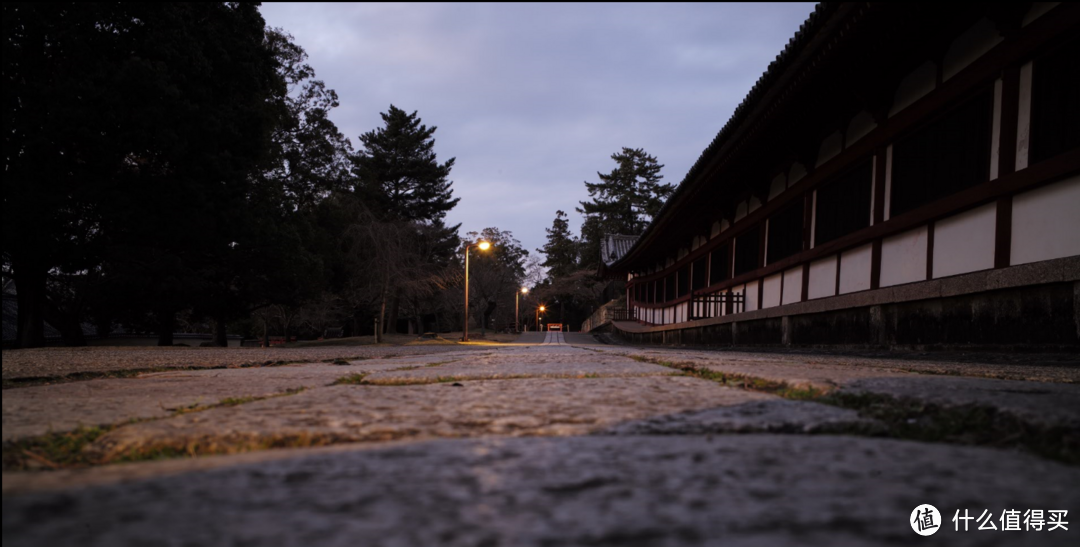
[902, 174]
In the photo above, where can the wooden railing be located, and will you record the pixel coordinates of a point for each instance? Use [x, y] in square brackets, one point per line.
[704, 306]
[607, 313]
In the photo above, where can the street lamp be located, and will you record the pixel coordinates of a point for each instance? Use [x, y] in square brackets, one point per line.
[483, 246]
[517, 315]
[539, 310]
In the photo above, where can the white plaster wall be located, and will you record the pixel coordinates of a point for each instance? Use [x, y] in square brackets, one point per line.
[740, 211]
[1038, 9]
[972, 44]
[755, 204]
[903, 258]
[797, 172]
[741, 289]
[751, 296]
[855, 269]
[1046, 222]
[914, 86]
[778, 185]
[792, 285]
[1023, 125]
[765, 236]
[965, 243]
[770, 294]
[995, 132]
[715, 229]
[822, 278]
[860, 126]
[724, 225]
[682, 252]
[888, 183]
[829, 148]
[873, 187]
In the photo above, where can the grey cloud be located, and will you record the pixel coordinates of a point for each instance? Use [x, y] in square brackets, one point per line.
[533, 99]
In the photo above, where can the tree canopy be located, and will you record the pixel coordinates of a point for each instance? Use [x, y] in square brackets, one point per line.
[627, 198]
[398, 169]
[561, 248]
[130, 132]
[174, 166]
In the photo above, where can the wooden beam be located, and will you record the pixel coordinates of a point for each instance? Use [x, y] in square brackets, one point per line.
[1003, 233]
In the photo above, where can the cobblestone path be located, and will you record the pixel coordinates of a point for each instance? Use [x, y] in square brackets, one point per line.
[554, 440]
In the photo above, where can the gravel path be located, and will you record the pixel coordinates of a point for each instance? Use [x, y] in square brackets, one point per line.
[768, 490]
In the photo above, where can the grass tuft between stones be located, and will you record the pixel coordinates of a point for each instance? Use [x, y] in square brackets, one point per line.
[69, 449]
[31, 381]
[52, 450]
[969, 424]
[356, 378]
[911, 419]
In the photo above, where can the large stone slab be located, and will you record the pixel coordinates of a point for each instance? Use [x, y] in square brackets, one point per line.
[1034, 367]
[59, 362]
[36, 410]
[769, 416]
[1044, 404]
[490, 407]
[734, 490]
[805, 374]
[541, 362]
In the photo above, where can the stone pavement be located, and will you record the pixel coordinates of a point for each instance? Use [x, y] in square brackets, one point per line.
[554, 440]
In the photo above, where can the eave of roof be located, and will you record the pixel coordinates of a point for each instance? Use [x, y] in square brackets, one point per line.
[781, 68]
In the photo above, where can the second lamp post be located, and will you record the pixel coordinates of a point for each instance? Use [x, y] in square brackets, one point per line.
[517, 314]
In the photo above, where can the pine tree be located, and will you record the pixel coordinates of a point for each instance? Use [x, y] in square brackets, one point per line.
[398, 171]
[623, 202]
[561, 248]
[627, 198]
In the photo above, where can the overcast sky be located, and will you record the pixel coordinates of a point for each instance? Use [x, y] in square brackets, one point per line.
[533, 99]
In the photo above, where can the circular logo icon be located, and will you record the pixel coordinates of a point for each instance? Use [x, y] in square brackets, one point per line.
[925, 520]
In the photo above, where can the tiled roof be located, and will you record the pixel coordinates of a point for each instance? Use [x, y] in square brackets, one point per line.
[614, 246]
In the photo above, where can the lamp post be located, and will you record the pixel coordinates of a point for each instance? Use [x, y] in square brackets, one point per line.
[517, 314]
[539, 310]
[483, 246]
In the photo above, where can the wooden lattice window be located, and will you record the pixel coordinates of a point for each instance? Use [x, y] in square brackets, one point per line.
[950, 154]
[843, 205]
